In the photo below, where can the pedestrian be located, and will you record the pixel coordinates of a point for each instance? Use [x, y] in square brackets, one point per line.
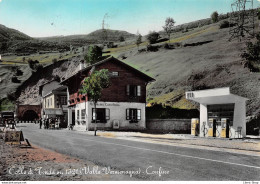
[44, 123]
[59, 120]
[41, 123]
[48, 123]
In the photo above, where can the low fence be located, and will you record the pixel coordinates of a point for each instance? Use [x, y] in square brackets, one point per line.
[169, 125]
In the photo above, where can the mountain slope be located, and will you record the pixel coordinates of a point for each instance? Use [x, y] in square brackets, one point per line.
[8, 34]
[207, 60]
[94, 37]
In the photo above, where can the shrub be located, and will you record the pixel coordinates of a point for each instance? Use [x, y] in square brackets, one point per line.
[93, 53]
[224, 24]
[252, 54]
[152, 48]
[214, 17]
[168, 46]
[15, 80]
[121, 39]
[39, 67]
[19, 72]
[152, 37]
[54, 60]
[32, 64]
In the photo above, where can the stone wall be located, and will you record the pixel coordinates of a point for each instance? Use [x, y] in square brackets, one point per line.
[169, 125]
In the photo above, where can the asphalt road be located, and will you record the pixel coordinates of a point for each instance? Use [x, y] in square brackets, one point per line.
[146, 159]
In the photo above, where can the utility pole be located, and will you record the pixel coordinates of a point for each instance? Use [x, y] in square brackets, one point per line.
[104, 31]
[241, 20]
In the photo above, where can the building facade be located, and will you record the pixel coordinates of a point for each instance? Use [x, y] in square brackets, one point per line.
[54, 102]
[122, 105]
[222, 114]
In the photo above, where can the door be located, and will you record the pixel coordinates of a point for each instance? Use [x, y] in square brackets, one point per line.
[73, 117]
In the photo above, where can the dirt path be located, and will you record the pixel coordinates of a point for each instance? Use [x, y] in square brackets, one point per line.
[30, 164]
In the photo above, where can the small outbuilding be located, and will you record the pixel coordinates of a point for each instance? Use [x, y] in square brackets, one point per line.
[222, 114]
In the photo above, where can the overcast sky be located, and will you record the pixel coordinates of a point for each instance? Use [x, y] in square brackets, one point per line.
[39, 18]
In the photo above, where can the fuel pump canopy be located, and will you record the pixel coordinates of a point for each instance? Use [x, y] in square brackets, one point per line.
[221, 112]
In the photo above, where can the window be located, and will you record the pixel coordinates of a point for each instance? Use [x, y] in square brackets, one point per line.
[63, 100]
[77, 114]
[48, 102]
[133, 90]
[83, 113]
[114, 74]
[101, 114]
[133, 114]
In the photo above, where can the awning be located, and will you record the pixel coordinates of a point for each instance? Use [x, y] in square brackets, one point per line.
[214, 96]
[53, 111]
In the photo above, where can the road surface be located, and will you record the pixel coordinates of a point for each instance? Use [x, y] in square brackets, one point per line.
[147, 161]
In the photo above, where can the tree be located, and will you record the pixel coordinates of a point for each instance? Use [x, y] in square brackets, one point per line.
[214, 17]
[121, 39]
[138, 40]
[33, 64]
[93, 85]
[153, 37]
[93, 53]
[168, 27]
[252, 54]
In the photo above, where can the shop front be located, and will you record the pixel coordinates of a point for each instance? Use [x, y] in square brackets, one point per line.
[222, 114]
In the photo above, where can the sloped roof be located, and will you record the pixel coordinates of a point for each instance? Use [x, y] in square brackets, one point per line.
[148, 78]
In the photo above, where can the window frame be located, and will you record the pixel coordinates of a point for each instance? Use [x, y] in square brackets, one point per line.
[83, 114]
[78, 116]
[133, 114]
[133, 90]
[106, 113]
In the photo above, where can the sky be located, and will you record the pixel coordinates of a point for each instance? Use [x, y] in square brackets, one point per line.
[41, 18]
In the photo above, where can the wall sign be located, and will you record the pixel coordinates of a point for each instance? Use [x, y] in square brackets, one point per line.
[105, 104]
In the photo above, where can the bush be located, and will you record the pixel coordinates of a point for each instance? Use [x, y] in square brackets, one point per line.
[38, 67]
[153, 37]
[214, 17]
[168, 46]
[152, 48]
[54, 60]
[93, 54]
[224, 24]
[121, 39]
[32, 64]
[15, 80]
[252, 54]
[19, 72]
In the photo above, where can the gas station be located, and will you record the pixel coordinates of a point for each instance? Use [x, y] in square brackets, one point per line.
[222, 114]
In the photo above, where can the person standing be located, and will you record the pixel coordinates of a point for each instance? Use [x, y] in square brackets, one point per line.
[48, 123]
[41, 123]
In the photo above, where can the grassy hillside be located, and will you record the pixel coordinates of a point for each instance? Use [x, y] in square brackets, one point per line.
[204, 58]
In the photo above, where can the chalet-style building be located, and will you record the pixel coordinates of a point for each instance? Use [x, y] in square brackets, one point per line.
[54, 101]
[122, 105]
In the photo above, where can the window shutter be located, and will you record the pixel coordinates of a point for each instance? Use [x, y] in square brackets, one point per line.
[138, 114]
[93, 114]
[127, 114]
[138, 90]
[107, 114]
[128, 90]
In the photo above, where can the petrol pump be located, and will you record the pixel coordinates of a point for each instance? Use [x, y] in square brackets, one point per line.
[212, 127]
[195, 126]
[225, 123]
